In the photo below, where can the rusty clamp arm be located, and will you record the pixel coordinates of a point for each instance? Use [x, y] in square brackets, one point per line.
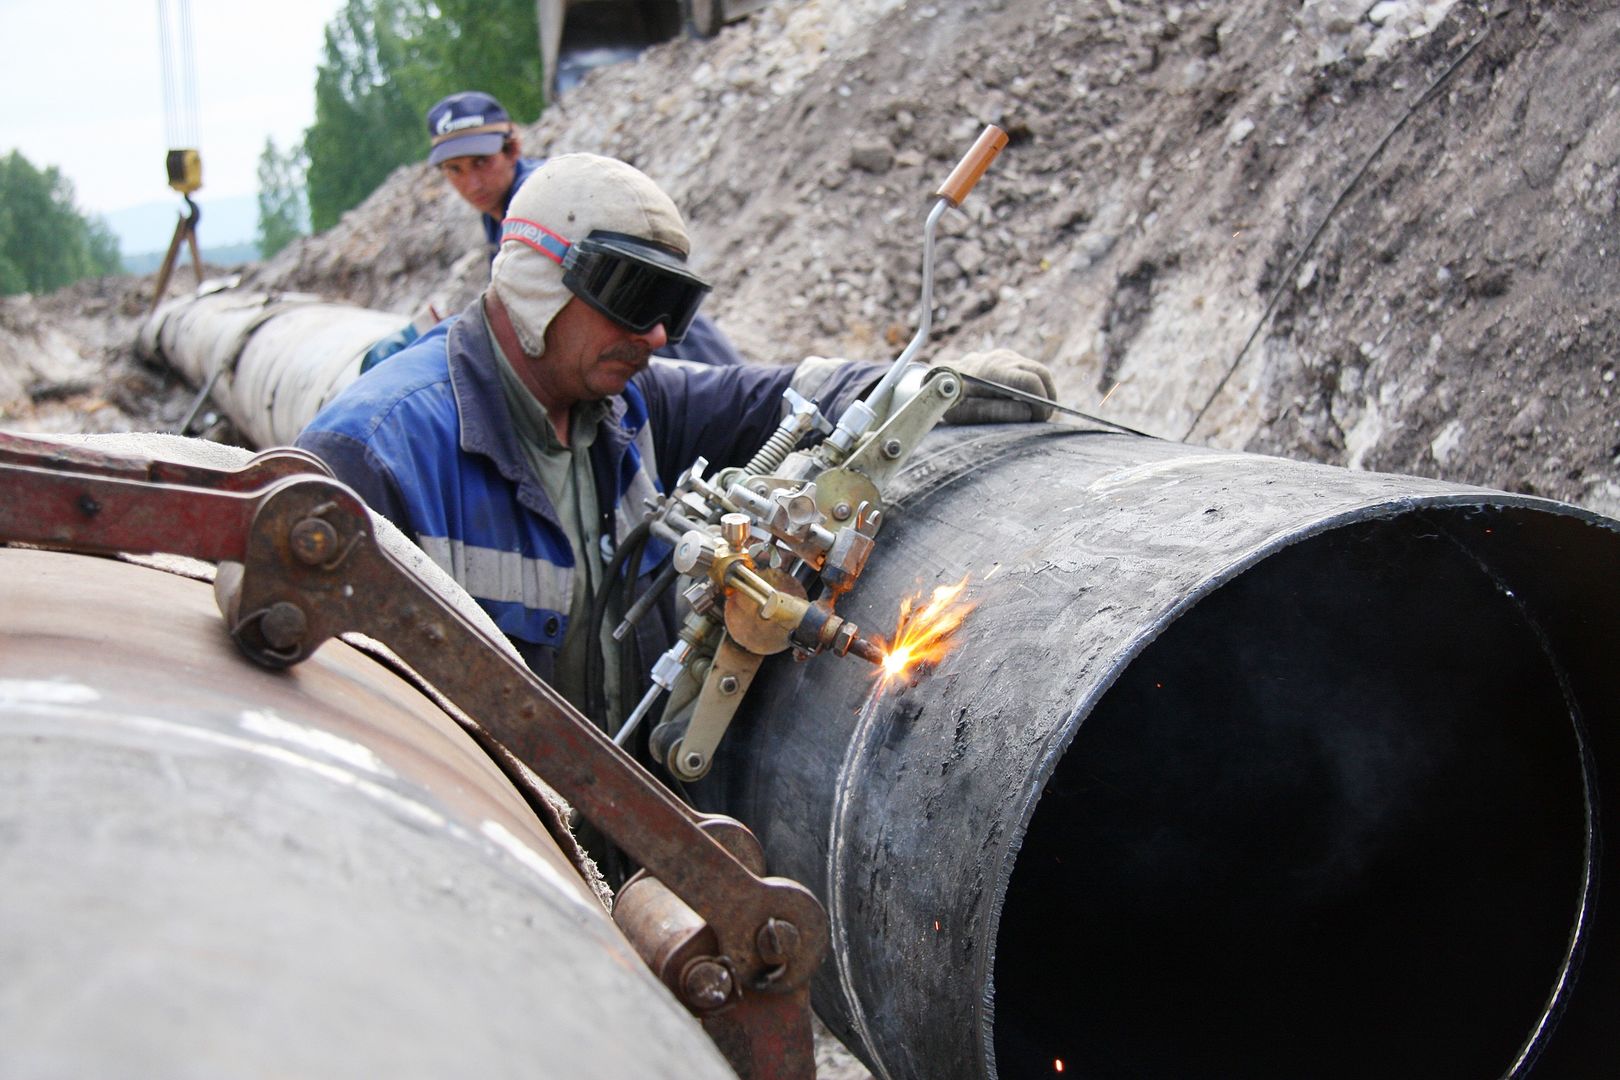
[312, 569]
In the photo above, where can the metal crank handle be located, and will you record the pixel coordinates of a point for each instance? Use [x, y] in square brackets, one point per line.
[990, 142]
[950, 195]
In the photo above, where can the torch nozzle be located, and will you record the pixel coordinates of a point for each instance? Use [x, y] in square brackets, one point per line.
[867, 649]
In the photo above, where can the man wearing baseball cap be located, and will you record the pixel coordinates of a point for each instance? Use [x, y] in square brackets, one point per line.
[477, 148]
[517, 441]
[479, 151]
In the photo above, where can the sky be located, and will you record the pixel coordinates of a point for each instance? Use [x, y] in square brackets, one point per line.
[84, 79]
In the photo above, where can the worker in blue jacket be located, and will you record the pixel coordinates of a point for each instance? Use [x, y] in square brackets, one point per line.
[478, 149]
[517, 441]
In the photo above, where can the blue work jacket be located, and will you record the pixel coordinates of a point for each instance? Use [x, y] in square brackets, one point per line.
[427, 442]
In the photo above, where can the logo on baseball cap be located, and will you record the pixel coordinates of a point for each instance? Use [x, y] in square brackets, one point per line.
[467, 124]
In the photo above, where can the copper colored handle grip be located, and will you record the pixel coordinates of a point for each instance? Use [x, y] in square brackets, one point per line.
[972, 166]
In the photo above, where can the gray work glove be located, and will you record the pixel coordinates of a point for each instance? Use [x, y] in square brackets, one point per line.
[982, 405]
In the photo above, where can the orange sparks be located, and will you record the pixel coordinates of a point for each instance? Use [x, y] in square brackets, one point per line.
[923, 636]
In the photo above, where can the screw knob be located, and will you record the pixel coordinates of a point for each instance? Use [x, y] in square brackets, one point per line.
[734, 530]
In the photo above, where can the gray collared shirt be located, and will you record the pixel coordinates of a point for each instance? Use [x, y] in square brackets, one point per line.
[565, 475]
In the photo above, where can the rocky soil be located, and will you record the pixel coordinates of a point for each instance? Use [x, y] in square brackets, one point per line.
[1409, 207]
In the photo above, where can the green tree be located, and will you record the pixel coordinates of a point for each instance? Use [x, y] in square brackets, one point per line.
[45, 242]
[386, 62]
[363, 121]
[488, 45]
[283, 207]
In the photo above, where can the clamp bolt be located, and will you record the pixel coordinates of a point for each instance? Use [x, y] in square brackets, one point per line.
[313, 540]
[707, 984]
[728, 684]
[892, 448]
[693, 761]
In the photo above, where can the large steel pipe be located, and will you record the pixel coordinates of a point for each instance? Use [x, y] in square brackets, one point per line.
[269, 360]
[212, 870]
[1241, 767]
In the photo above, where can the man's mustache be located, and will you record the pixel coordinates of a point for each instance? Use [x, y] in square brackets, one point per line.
[626, 353]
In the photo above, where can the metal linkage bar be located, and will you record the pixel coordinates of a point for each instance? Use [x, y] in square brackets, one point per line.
[311, 568]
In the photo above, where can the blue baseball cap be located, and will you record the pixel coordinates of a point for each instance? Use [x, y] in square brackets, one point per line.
[467, 124]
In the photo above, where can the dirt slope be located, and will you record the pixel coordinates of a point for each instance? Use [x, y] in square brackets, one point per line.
[1425, 194]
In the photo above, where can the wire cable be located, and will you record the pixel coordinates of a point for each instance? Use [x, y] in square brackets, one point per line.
[177, 55]
[188, 61]
[166, 66]
[1293, 266]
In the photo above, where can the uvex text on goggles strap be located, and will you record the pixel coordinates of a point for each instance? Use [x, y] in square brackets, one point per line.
[634, 284]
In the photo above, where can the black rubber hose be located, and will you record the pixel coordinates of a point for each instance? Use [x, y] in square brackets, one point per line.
[628, 553]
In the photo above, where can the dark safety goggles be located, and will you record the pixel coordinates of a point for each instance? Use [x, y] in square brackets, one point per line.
[635, 283]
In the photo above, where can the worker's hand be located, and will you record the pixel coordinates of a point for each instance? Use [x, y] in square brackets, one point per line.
[982, 405]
